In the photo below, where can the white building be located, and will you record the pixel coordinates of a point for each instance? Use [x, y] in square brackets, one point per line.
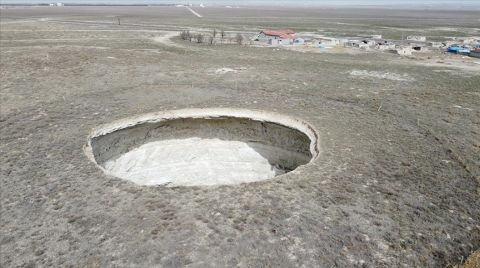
[470, 40]
[341, 41]
[417, 38]
[324, 42]
[385, 46]
[329, 42]
[404, 51]
[437, 44]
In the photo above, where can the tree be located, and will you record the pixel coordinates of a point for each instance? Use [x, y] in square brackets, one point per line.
[239, 39]
[199, 38]
[190, 36]
[185, 35]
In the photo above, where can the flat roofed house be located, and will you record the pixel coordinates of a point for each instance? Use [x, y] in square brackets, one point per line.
[325, 42]
[417, 38]
[404, 51]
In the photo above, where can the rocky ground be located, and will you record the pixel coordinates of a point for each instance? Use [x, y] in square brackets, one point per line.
[396, 184]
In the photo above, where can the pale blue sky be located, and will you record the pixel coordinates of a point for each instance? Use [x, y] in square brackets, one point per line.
[430, 3]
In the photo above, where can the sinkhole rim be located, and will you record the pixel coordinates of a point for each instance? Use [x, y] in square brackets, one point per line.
[204, 113]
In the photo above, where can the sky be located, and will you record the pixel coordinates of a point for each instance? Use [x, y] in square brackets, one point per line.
[426, 3]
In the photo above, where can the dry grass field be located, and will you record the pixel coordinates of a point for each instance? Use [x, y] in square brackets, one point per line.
[396, 183]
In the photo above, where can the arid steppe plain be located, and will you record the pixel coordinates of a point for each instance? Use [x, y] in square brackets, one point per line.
[396, 183]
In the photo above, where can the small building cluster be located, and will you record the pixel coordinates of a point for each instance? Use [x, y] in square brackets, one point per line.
[465, 46]
[404, 47]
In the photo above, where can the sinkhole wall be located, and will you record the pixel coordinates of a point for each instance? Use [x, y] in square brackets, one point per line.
[284, 142]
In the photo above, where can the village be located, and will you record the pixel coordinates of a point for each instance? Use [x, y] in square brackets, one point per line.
[469, 46]
[311, 42]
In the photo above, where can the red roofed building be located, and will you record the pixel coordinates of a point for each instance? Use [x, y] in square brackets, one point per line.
[277, 37]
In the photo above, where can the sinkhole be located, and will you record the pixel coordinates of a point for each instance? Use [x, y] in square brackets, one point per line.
[201, 147]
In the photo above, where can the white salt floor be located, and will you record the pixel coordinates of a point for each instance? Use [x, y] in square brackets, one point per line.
[190, 162]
